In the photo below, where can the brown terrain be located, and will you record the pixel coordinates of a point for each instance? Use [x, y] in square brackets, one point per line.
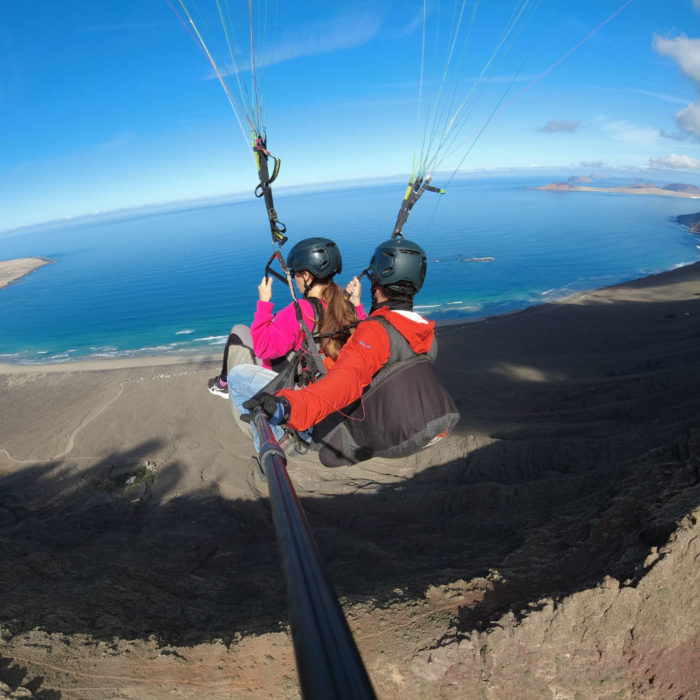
[548, 548]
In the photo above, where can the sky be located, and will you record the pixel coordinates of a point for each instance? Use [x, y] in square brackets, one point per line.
[112, 105]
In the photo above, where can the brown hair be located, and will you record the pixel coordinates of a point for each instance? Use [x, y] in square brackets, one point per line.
[339, 314]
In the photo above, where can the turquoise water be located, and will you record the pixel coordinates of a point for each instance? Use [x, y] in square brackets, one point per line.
[172, 281]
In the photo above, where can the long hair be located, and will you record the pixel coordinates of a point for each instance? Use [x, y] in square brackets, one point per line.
[339, 314]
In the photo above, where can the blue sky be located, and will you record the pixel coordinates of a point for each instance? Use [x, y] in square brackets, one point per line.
[108, 105]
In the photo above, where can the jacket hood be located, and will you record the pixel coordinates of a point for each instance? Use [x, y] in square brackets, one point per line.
[419, 334]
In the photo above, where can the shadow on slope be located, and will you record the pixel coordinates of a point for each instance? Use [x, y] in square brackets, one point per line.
[15, 676]
[591, 465]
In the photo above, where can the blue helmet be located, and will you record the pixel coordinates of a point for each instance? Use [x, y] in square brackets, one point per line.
[398, 265]
[320, 256]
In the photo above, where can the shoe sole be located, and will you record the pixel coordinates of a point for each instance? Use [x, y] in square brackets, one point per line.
[214, 392]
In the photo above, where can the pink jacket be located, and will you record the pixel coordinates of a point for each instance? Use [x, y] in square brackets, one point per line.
[274, 335]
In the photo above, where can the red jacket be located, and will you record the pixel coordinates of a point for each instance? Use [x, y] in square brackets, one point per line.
[363, 356]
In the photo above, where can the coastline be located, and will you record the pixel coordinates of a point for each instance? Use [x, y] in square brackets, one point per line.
[12, 271]
[186, 358]
[75, 326]
[112, 363]
[690, 221]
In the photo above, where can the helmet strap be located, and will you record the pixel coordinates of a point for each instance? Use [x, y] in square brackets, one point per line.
[308, 286]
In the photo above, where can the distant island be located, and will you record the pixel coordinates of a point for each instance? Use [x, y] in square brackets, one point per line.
[670, 190]
[461, 258]
[13, 270]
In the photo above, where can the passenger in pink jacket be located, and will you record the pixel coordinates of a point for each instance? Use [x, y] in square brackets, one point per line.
[252, 356]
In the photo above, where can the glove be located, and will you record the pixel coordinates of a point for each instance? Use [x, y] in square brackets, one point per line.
[277, 409]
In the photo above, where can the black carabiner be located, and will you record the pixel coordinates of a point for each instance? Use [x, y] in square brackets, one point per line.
[269, 271]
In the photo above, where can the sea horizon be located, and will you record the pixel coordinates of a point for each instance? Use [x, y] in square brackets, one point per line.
[158, 281]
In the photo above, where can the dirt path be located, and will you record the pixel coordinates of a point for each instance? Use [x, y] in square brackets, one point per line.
[71, 438]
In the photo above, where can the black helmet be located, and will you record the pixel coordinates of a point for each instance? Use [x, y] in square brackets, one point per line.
[399, 266]
[320, 256]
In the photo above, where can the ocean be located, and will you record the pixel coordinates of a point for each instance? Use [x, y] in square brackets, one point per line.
[174, 280]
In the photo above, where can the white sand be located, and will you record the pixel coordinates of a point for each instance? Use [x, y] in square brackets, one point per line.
[13, 270]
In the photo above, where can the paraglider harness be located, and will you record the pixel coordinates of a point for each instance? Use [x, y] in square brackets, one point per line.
[305, 365]
[293, 369]
[416, 187]
[404, 409]
[308, 356]
[408, 379]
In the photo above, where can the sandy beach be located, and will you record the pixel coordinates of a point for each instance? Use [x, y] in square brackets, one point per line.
[13, 270]
[547, 548]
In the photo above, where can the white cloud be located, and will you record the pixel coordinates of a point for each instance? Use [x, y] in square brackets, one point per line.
[675, 135]
[117, 141]
[554, 125]
[348, 29]
[126, 27]
[676, 162]
[414, 24]
[686, 52]
[627, 132]
[696, 4]
[352, 27]
[663, 97]
[688, 119]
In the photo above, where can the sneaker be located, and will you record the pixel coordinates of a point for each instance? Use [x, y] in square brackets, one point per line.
[218, 388]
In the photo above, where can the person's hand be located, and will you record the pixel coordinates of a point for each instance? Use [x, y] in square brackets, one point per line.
[277, 409]
[265, 289]
[354, 291]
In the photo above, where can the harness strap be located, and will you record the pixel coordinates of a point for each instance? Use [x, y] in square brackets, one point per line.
[277, 228]
[318, 369]
[319, 311]
[400, 348]
[308, 344]
[287, 368]
[344, 330]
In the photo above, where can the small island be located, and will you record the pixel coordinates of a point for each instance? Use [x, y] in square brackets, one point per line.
[648, 188]
[13, 270]
[461, 258]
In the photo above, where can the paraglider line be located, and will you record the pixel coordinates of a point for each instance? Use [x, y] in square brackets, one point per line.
[237, 108]
[568, 53]
[540, 77]
[258, 116]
